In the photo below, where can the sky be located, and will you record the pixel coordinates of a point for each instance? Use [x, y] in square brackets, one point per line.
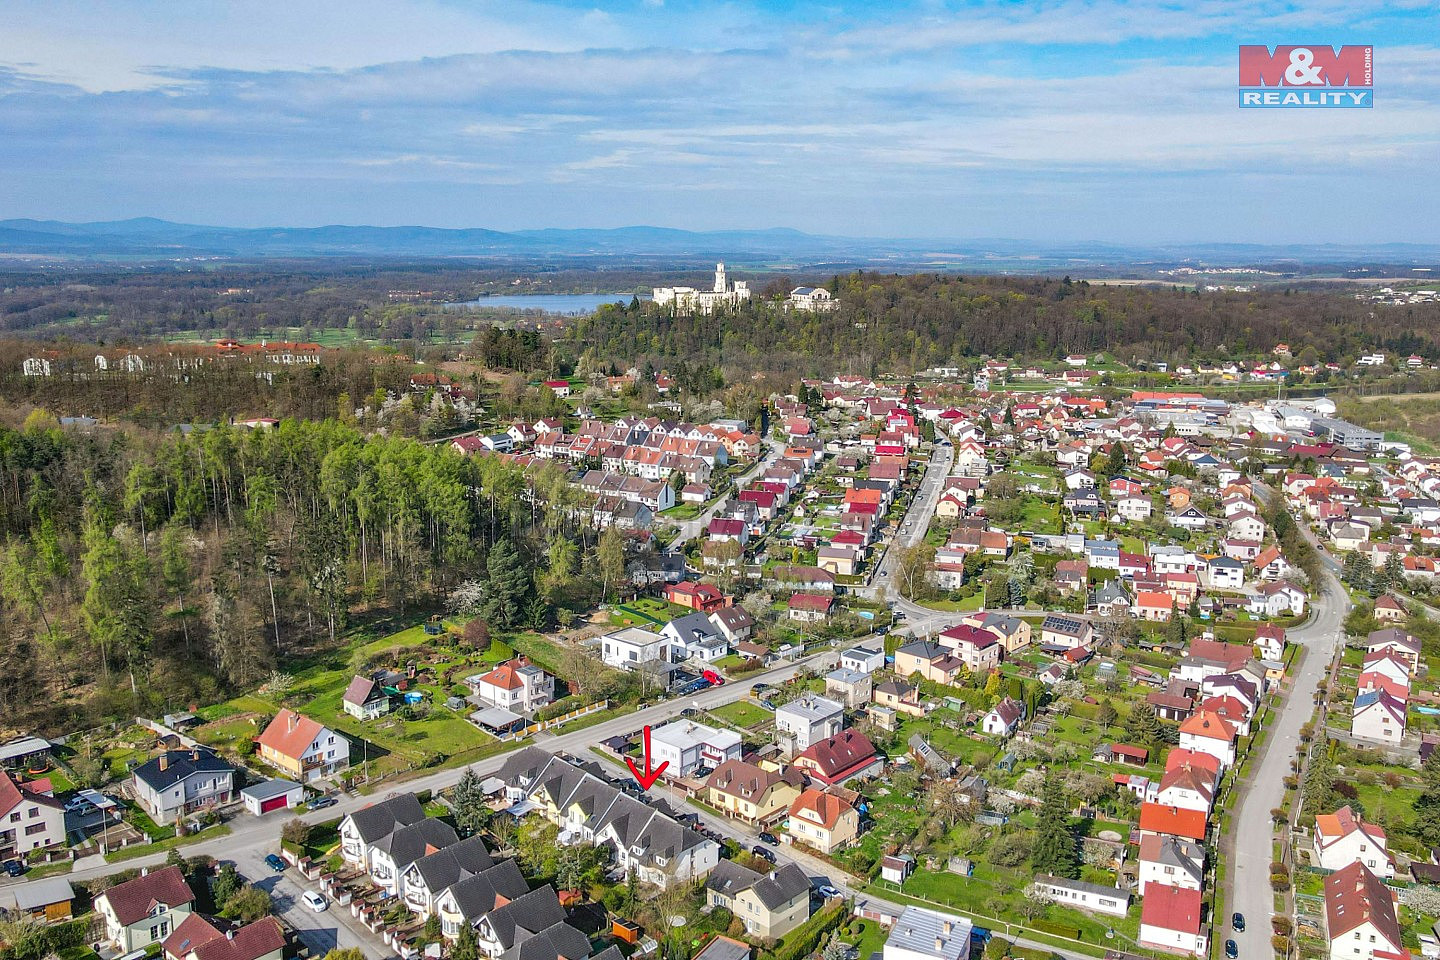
[1054, 120]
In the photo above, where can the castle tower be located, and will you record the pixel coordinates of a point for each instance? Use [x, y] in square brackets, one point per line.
[719, 278]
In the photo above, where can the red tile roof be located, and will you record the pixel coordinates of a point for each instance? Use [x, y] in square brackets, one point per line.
[290, 734]
[1177, 821]
[839, 757]
[828, 809]
[1171, 908]
[134, 899]
[1354, 895]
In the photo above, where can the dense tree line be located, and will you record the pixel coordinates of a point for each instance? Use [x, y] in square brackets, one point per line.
[909, 322]
[142, 571]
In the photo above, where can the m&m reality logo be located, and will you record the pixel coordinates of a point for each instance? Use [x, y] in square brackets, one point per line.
[1307, 76]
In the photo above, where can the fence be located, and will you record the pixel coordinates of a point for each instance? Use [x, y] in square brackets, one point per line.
[543, 725]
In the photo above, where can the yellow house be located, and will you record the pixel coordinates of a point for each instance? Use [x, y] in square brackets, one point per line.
[899, 696]
[1013, 632]
[770, 904]
[747, 792]
[823, 821]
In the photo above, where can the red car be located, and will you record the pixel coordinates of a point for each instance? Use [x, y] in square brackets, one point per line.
[713, 678]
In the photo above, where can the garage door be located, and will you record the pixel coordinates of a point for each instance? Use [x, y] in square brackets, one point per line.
[274, 803]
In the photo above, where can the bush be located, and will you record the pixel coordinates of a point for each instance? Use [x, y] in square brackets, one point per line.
[1279, 883]
[997, 948]
[1059, 929]
[808, 936]
[1281, 945]
[1281, 925]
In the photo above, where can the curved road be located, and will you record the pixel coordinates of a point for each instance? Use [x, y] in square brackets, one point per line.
[1264, 790]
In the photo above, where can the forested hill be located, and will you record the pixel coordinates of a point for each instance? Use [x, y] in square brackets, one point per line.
[910, 322]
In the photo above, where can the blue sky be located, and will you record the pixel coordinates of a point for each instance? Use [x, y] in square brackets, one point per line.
[1058, 120]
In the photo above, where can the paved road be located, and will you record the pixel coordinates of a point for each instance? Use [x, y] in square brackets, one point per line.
[1250, 889]
[913, 526]
[251, 838]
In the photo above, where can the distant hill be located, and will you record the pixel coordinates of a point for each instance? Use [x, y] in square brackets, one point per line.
[147, 237]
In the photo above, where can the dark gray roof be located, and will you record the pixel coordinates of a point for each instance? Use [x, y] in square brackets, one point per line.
[729, 878]
[558, 942]
[408, 844]
[782, 886]
[381, 819]
[525, 916]
[179, 764]
[476, 895]
[447, 866]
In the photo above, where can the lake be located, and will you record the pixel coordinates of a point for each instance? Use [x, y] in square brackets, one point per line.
[567, 303]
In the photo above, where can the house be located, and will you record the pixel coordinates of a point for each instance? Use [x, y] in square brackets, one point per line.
[808, 720]
[753, 794]
[770, 905]
[516, 685]
[694, 637]
[642, 839]
[29, 819]
[1270, 641]
[1341, 838]
[810, 607]
[1092, 897]
[1133, 508]
[561, 388]
[425, 879]
[1360, 917]
[838, 759]
[365, 699]
[1003, 718]
[978, 649]
[1397, 643]
[392, 855]
[1154, 606]
[1378, 716]
[899, 696]
[735, 624]
[1013, 632]
[930, 660]
[1186, 785]
[1171, 861]
[1223, 573]
[1206, 732]
[1390, 610]
[1277, 599]
[922, 934]
[475, 896]
[25, 752]
[686, 746]
[850, 687]
[1158, 819]
[361, 830]
[862, 659]
[703, 597]
[633, 646]
[179, 782]
[823, 820]
[534, 921]
[1170, 920]
[302, 748]
[721, 529]
[145, 910]
[196, 938]
[1066, 632]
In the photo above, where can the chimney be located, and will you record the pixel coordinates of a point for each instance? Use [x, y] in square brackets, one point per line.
[164, 761]
[195, 753]
[294, 721]
[939, 944]
[229, 934]
[945, 928]
[144, 871]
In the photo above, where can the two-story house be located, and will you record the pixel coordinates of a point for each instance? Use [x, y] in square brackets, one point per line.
[1341, 838]
[823, 820]
[516, 685]
[809, 719]
[145, 910]
[370, 825]
[29, 819]
[770, 905]
[1360, 916]
[424, 881]
[753, 794]
[179, 782]
[301, 748]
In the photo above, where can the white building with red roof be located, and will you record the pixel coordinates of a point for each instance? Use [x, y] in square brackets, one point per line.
[1210, 733]
[1341, 838]
[1170, 920]
[30, 819]
[1360, 917]
[516, 685]
[301, 748]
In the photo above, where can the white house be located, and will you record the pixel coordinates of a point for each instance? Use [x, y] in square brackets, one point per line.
[1092, 897]
[29, 820]
[632, 646]
[686, 746]
[518, 686]
[1003, 718]
[1378, 716]
[179, 782]
[921, 934]
[1206, 732]
[862, 659]
[1278, 599]
[1136, 509]
[1360, 917]
[809, 720]
[1341, 838]
[1171, 919]
[1171, 861]
[697, 636]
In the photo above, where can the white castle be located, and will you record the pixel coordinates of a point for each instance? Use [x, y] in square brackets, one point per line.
[689, 299]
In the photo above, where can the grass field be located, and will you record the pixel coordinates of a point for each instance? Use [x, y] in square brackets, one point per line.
[743, 714]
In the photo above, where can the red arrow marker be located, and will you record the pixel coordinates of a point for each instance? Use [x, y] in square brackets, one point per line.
[648, 778]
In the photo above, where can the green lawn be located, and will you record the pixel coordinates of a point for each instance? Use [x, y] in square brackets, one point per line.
[743, 714]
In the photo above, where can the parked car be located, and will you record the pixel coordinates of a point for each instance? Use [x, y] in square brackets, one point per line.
[314, 901]
[770, 838]
[715, 679]
[1238, 922]
[764, 853]
[1231, 950]
[14, 867]
[320, 803]
[76, 805]
[274, 863]
[828, 891]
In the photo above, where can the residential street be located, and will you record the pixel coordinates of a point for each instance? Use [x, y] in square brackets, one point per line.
[691, 529]
[1264, 789]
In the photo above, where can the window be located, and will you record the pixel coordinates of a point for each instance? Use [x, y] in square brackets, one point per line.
[34, 828]
[15, 817]
[34, 812]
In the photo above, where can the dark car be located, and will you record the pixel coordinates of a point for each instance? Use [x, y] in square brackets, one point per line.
[764, 853]
[1231, 950]
[320, 803]
[769, 838]
[1238, 922]
[274, 863]
[14, 867]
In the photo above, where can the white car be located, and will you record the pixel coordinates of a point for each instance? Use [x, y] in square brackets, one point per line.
[314, 901]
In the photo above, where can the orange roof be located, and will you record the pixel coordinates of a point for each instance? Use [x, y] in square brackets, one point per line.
[820, 807]
[1204, 723]
[290, 734]
[1180, 757]
[1176, 821]
[504, 677]
[1155, 601]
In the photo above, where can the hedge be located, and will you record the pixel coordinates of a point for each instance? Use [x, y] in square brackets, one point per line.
[1059, 929]
[800, 941]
